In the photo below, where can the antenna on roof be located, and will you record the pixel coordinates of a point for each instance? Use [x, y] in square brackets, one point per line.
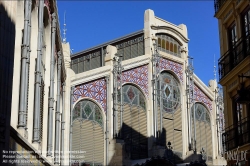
[214, 69]
[64, 29]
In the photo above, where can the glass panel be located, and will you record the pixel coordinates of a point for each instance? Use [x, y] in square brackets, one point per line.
[175, 48]
[207, 118]
[98, 116]
[84, 115]
[167, 45]
[159, 42]
[87, 109]
[142, 101]
[131, 94]
[171, 47]
[76, 111]
[125, 98]
[163, 44]
[135, 100]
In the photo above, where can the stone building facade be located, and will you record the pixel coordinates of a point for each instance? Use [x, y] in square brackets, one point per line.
[124, 102]
[135, 98]
[234, 75]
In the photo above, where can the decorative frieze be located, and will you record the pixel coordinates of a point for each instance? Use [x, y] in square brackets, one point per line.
[95, 90]
[177, 68]
[200, 96]
[138, 76]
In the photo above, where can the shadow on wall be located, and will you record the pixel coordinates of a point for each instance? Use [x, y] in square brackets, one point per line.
[131, 148]
[7, 46]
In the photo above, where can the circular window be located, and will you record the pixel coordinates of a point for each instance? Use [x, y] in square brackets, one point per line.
[170, 92]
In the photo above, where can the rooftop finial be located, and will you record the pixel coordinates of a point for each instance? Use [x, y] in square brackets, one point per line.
[64, 29]
[214, 69]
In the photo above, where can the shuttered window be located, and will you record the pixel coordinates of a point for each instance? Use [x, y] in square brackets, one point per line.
[88, 135]
[169, 102]
[203, 130]
[134, 127]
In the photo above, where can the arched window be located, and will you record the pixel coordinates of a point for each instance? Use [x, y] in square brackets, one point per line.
[134, 127]
[88, 133]
[169, 92]
[169, 112]
[203, 130]
[168, 44]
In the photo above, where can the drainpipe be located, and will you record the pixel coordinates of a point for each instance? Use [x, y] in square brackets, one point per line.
[25, 50]
[107, 120]
[27, 66]
[51, 89]
[195, 150]
[36, 121]
[161, 107]
[71, 123]
[57, 133]
[62, 125]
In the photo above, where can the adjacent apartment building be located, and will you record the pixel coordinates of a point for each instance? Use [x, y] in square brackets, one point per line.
[234, 75]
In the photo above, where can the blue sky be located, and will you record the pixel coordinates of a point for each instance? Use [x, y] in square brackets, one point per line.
[90, 23]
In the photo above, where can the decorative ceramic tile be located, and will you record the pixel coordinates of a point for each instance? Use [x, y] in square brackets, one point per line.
[201, 97]
[95, 90]
[138, 76]
[166, 64]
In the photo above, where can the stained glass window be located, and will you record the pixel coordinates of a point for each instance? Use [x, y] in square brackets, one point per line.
[168, 44]
[87, 109]
[201, 112]
[170, 92]
[134, 96]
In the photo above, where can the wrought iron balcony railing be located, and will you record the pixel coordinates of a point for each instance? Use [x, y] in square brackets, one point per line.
[218, 4]
[234, 56]
[237, 135]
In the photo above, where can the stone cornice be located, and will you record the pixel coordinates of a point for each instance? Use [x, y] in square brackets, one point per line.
[171, 30]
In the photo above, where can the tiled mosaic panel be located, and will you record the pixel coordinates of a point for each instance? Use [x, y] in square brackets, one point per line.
[138, 76]
[96, 90]
[173, 66]
[201, 97]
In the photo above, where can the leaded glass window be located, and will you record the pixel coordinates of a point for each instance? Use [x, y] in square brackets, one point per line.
[134, 96]
[170, 92]
[87, 109]
[201, 113]
[168, 44]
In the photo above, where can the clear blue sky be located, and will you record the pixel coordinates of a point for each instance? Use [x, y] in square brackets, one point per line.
[90, 23]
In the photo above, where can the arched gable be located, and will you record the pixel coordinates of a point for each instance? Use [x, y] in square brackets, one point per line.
[138, 76]
[200, 96]
[175, 67]
[96, 90]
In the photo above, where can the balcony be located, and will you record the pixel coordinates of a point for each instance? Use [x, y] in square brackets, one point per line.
[218, 4]
[237, 135]
[234, 56]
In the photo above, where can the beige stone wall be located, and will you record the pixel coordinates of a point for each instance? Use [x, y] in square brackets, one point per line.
[17, 13]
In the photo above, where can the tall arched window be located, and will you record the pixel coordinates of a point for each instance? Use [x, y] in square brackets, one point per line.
[88, 134]
[203, 130]
[169, 112]
[134, 127]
